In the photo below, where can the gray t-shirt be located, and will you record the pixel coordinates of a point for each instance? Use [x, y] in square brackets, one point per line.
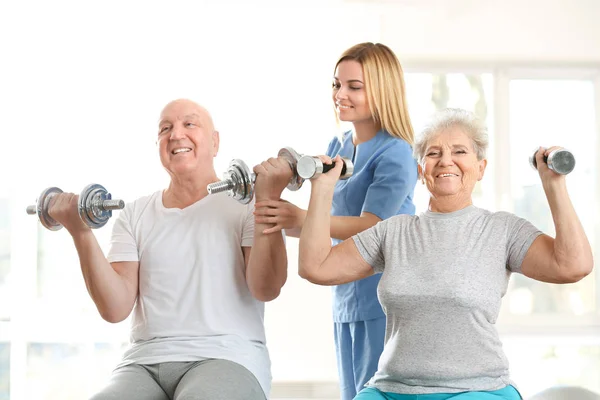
[444, 275]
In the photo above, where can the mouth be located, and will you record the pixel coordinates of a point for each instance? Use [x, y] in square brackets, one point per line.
[343, 107]
[446, 175]
[180, 150]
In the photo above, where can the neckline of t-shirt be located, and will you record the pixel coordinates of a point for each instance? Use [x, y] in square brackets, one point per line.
[453, 214]
[205, 199]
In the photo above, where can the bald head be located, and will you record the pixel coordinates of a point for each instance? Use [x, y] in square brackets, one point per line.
[183, 108]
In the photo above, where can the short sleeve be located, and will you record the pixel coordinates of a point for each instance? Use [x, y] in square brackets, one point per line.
[370, 245]
[248, 226]
[521, 234]
[123, 246]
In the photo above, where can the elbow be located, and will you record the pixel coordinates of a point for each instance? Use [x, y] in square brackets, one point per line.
[305, 272]
[578, 271]
[266, 294]
[583, 271]
[305, 275]
[115, 314]
[267, 291]
[315, 280]
[114, 317]
[311, 276]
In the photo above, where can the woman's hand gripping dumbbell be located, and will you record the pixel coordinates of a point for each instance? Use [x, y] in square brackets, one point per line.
[91, 209]
[557, 159]
[310, 167]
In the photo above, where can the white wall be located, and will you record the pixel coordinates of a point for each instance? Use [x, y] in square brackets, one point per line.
[531, 31]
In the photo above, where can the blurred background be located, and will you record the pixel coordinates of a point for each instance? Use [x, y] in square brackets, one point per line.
[81, 87]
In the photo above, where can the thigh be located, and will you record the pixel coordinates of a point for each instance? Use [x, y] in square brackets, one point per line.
[368, 338]
[344, 357]
[370, 394]
[218, 380]
[132, 382]
[507, 393]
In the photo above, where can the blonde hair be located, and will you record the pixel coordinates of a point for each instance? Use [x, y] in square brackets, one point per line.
[384, 81]
[449, 118]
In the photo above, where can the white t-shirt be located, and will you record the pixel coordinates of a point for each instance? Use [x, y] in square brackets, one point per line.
[194, 302]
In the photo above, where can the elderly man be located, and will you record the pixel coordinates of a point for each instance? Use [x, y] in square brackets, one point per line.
[182, 260]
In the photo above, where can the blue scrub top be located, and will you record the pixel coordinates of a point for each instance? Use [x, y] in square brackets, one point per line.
[383, 183]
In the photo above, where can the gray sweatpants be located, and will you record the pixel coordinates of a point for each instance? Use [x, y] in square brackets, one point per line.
[201, 380]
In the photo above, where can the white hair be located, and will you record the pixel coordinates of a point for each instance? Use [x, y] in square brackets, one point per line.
[453, 117]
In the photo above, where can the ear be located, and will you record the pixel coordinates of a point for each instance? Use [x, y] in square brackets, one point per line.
[420, 172]
[482, 165]
[215, 138]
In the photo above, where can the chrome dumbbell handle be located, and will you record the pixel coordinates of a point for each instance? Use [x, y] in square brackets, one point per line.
[560, 161]
[310, 167]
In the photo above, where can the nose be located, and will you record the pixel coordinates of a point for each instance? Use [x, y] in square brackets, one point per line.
[177, 133]
[446, 158]
[340, 94]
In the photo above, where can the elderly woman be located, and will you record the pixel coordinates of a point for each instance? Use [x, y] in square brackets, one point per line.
[445, 271]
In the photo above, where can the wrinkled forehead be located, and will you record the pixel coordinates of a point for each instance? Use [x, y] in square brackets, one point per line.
[183, 110]
[170, 118]
[450, 137]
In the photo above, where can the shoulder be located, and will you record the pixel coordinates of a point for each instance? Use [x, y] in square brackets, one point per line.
[396, 152]
[338, 140]
[148, 199]
[134, 211]
[140, 204]
[232, 210]
[502, 220]
[389, 147]
[220, 203]
[398, 221]
[397, 146]
[500, 216]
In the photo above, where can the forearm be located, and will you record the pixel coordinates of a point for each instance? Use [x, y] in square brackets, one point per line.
[267, 268]
[106, 287]
[315, 242]
[572, 250]
[343, 228]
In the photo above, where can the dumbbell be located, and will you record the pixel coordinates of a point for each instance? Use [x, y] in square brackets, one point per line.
[95, 207]
[239, 179]
[560, 161]
[310, 167]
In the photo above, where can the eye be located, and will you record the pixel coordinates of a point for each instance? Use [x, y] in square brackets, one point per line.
[355, 88]
[461, 152]
[335, 85]
[189, 124]
[163, 130]
[433, 154]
